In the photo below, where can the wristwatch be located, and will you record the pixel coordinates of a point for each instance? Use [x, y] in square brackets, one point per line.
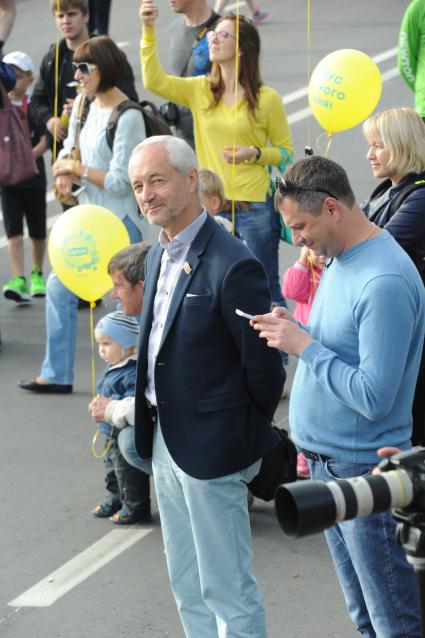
[258, 153]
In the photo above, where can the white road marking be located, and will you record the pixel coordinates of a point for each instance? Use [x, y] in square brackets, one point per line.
[79, 568]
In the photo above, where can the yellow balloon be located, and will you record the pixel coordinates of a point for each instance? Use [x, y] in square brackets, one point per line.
[81, 243]
[344, 89]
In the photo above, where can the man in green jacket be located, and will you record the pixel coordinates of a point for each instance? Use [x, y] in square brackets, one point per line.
[411, 51]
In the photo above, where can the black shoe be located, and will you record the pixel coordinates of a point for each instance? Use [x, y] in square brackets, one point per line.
[45, 388]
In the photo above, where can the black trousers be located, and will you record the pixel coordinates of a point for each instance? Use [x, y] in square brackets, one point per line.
[418, 409]
[128, 487]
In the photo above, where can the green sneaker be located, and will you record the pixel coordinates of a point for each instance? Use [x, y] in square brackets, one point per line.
[17, 289]
[37, 284]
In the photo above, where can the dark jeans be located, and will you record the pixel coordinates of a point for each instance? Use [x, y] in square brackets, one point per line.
[99, 16]
[128, 487]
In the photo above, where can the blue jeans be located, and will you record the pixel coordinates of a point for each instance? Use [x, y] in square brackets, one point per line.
[61, 324]
[207, 538]
[378, 583]
[260, 229]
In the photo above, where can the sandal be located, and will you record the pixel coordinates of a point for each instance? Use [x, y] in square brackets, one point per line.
[104, 510]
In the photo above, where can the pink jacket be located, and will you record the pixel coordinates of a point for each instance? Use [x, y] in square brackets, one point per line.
[300, 283]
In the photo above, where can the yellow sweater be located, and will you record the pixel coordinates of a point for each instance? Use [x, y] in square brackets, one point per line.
[224, 125]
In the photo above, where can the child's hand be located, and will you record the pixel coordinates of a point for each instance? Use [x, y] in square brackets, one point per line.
[97, 408]
[304, 254]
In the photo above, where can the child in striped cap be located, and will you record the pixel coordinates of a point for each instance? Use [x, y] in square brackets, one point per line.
[127, 499]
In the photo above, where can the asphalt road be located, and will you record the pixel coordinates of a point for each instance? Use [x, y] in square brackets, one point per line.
[65, 574]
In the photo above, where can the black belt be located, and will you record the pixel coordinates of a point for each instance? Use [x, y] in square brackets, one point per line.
[152, 411]
[314, 456]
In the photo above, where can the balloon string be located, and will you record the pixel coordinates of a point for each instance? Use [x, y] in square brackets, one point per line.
[56, 101]
[234, 118]
[328, 145]
[308, 63]
[93, 375]
[93, 380]
[329, 135]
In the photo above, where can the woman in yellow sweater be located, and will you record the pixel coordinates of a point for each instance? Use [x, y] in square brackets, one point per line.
[238, 118]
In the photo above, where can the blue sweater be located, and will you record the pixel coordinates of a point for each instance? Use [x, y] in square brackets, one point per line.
[354, 384]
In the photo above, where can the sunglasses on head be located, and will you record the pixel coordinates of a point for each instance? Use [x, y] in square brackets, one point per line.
[83, 67]
[283, 186]
[219, 36]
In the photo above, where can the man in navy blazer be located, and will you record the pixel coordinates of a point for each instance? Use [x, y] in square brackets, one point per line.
[207, 389]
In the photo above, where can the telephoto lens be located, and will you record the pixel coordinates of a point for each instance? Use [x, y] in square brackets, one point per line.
[308, 507]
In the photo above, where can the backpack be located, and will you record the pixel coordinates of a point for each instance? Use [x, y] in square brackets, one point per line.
[419, 182]
[417, 253]
[277, 467]
[155, 123]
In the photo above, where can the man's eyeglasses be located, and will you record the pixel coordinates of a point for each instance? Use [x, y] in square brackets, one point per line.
[85, 68]
[219, 36]
[283, 186]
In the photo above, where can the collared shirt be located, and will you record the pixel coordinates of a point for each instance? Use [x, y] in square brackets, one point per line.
[172, 262]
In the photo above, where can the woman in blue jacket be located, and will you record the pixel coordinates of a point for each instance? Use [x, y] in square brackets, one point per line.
[396, 141]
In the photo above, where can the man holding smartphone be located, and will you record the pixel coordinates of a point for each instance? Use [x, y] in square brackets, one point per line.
[353, 389]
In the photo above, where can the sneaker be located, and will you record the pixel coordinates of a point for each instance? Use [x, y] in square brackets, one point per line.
[303, 471]
[17, 289]
[37, 284]
[259, 17]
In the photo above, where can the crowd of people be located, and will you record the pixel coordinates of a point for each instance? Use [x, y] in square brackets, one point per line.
[166, 405]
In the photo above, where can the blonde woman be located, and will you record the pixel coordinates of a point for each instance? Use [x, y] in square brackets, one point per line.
[396, 154]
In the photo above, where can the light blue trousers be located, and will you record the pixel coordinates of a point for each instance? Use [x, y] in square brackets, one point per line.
[207, 538]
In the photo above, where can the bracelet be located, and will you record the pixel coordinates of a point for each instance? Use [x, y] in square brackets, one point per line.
[258, 150]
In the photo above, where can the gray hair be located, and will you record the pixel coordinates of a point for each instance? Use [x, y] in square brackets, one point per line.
[131, 262]
[181, 155]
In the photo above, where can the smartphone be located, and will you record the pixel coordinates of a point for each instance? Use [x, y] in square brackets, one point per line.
[243, 314]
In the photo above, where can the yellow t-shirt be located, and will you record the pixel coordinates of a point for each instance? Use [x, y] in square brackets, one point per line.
[224, 125]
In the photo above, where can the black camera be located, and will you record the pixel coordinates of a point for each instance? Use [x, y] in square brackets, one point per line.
[304, 508]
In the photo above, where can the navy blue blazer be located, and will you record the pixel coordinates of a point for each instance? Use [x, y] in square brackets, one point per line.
[217, 383]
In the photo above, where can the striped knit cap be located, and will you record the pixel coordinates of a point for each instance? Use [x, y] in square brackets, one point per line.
[120, 327]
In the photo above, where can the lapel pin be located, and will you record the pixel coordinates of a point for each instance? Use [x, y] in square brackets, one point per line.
[187, 268]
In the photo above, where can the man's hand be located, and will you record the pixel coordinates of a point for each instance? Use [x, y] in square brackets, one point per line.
[60, 129]
[148, 13]
[281, 331]
[385, 452]
[97, 408]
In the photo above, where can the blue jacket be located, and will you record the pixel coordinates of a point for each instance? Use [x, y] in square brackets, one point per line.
[217, 383]
[117, 382]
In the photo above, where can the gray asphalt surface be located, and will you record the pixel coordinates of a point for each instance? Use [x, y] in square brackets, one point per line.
[50, 480]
